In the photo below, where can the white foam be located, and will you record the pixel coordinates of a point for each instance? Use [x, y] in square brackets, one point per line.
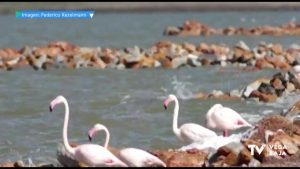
[213, 142]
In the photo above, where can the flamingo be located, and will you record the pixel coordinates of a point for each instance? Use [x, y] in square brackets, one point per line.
[189, 132]
[133, 157]
[225, 118]
[91, 155]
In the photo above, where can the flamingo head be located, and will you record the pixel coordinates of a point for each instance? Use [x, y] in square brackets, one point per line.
[59, 99]
[92, 132]
[170, 98]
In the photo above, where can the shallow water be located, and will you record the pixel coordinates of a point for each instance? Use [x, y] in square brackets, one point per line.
[128, 102]
[143, 29]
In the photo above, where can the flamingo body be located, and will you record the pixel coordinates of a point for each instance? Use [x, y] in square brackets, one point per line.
[90, 155]
[189, 132]
[225, 118]
[133, 157]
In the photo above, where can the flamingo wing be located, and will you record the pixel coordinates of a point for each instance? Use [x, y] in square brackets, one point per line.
[230, 119]
[193, 132]
[139, 158]
[95, 155]
[210, 122]
[152, 161]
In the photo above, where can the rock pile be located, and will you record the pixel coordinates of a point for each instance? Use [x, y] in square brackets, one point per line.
[194, 28]
[163, 54]
[261, 90]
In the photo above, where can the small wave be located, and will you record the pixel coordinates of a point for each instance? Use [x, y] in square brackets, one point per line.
[251, 118]
[124, 99]
[182, 88]
[285, 101]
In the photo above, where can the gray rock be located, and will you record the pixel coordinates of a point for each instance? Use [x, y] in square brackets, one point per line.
[251, 87]
[217, 93]
[157, 64]
[193, 61]
[133, 54]
[40, 61]
[171, 30]
[242, 45]
[235, 92]
[179, 61]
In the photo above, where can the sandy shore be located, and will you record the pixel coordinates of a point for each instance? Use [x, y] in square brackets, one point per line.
[11, 7]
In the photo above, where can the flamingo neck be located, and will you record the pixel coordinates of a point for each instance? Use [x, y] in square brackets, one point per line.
[106, 138]
[175, 118]
[65, 129]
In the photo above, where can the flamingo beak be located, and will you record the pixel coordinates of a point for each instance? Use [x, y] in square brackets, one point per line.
[50, 108]
[90, 138]
[166, 102]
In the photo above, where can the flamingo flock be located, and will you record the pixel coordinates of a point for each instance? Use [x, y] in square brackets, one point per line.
[94, 155]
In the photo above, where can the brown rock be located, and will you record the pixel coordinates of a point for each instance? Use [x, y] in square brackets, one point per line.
[289, 57]
[7, 164]
[296, 139]
[185, 159]
[244, 157]
[229, 31]
[191, 25]
[224, 97]
[278, 63]
[204, 48]
[277, 49]
[274, 123]
[262, 63]
[190, 48]
[205, 62]
[288, 161]
[163, 155]
[293, 110]
[167, 64]
[147, 62]
[200, 95]
[263, 97]
[63, 45]
[232, 159]
[97, 62]
[9, 54]
[181, 159]
[52, 51]
[277, 84]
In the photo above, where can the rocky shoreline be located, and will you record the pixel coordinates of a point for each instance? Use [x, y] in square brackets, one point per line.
[163, 54]
[195, 28]
[279, 134]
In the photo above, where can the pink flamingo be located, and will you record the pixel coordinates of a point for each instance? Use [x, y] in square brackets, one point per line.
[133, 157]
[225, 118]
[91, 155]
[189, 132]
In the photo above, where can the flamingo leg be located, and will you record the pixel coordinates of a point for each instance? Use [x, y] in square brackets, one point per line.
[225, 133]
